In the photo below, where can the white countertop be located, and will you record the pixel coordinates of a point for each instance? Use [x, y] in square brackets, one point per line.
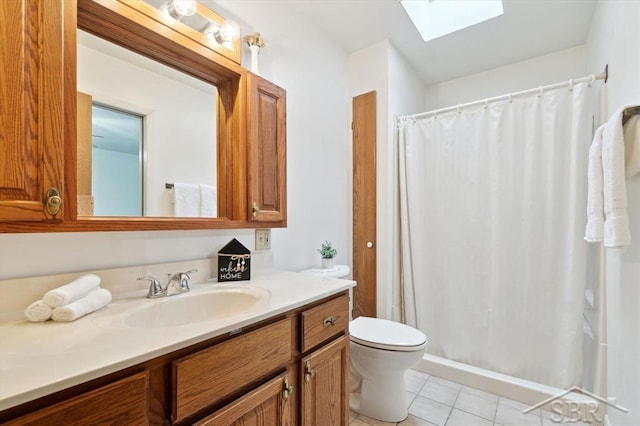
[37, 359]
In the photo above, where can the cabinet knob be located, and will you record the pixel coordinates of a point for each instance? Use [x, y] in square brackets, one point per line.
[287, 389]
[255, 210]
[309, 372]
[369, 244]
[53, 201]
[329, 321]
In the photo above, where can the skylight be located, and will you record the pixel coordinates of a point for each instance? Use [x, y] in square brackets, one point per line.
[435, 18]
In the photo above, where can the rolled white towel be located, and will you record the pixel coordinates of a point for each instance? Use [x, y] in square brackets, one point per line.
[73, 291]
[93, 301]
[38, 311]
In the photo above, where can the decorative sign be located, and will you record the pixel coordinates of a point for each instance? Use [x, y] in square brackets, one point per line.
[234, 262]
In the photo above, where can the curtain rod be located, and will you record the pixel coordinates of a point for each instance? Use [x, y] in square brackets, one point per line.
[590, 78]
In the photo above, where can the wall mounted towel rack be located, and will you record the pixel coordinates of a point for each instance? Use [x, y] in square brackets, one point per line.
[630, 112]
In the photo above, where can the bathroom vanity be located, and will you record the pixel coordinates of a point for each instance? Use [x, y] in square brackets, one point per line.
[283, 361]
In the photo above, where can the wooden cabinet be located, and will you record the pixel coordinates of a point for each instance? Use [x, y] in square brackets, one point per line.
[38, 118]
[124, 402]
[32, 126]
[259, 376]
[325, 385]
[267, 168]
[205, 377]
[269, 405]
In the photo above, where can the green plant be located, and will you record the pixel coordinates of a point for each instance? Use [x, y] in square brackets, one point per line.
[327, 251]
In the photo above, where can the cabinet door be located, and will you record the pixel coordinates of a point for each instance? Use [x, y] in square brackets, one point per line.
[267, 151]
[269, 405]
[32, 106]
[125, 402]
[325, 385]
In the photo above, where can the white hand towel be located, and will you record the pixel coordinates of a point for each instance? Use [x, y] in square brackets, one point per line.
[186, 200]
[595, 208]
[72, 291]
[632, 147]
[93, 301]
[38, 311]
[208, 201]
[616, 223]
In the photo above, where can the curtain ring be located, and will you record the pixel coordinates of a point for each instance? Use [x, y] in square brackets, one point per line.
[571, 85]
[510, 97]
[539, 91]
[458, 108]
[486, 103]
[435, 115]
[593, 78]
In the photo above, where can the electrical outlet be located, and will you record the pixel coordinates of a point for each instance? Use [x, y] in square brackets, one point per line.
[263, 239]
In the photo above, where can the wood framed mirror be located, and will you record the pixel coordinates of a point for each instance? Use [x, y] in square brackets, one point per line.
[142, 29]
[44, 153]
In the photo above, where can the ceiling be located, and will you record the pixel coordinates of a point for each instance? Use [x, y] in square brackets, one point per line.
[528, 28]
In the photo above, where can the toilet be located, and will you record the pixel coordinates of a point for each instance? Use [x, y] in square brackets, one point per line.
[381, 353]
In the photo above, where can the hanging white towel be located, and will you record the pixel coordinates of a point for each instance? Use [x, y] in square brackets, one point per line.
[594, 231]
[93, 301]
[186, 200]
[616, 222]
[38, 311]
[632, 146]
[72, 291]
[208, 201]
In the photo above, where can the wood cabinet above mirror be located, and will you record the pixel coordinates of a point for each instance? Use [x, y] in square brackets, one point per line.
[47, 130]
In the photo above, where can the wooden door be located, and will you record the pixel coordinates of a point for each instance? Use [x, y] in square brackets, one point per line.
[31, 107]
[272, 404]
[267, 166]
[325, 385]
[364, 205]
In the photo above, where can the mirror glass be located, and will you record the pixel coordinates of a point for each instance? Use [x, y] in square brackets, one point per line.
[146, 136]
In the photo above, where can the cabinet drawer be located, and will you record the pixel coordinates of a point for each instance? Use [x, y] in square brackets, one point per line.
[206, 376]
[124, 402]
[324, 322]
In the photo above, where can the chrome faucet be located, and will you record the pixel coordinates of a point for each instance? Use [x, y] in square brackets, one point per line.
[180, 280]
[178, 283]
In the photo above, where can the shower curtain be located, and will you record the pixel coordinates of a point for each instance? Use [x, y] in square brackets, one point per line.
[492, 205]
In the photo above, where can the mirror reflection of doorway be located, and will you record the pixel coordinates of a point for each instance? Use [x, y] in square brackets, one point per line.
[116, 175]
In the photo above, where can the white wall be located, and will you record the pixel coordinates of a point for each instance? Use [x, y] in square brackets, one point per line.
[534, 72]
[398, 91]
[614, 38]
[315, 80]
[180, 135]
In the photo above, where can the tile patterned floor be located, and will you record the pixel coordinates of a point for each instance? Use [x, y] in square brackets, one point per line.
[436, 401]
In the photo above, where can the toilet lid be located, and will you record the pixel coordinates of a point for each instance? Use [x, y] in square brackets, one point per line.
[384, 334]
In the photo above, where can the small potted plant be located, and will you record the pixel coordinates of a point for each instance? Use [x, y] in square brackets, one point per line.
[328, 254]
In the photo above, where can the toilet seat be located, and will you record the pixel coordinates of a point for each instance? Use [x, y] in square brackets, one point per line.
[386, 335]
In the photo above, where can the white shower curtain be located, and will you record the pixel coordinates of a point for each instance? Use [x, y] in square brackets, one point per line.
[492, 215]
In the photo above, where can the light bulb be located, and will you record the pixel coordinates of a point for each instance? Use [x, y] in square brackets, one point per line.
[227, 32]
[179, 8]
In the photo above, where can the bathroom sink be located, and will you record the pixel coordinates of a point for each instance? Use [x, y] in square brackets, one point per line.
[195, 307]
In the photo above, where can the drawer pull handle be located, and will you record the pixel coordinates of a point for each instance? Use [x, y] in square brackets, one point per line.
[308, 372]
[287, 389]
[329, 321]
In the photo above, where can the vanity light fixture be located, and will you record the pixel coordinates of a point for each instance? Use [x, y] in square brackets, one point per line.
[181, 8]
[222, 34]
